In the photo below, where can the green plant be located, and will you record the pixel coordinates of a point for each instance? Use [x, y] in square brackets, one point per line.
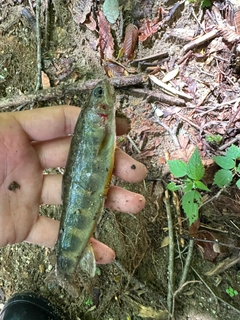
[191, 174]
[89, 302]
[214, 138]
[231, 292]
[230, 168]
[203, 3]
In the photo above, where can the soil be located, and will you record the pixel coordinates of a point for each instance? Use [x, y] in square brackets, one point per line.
[136, 285]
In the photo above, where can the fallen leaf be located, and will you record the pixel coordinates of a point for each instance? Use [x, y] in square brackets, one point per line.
[150, 27]
[183, 153]
[130, 41]
[114, 69]
[45, 80]
[170, 75]
[106, 43]
[205, 247]
[165, 242]
[80, 10]
[91, 23]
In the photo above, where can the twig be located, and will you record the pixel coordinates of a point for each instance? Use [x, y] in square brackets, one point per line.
[225, 145]
[38, 39]
[185, 57]
[220, 105]
[212, 241]
[47, 18]
[206, 37]
[187, 263]
[155, 56]
[211, 199]
[189, 121]
[179, 290]
[153, 96]
[171, 253]
[173, 132]
[133, 143]
[169, 88]
[64, 90]
[178, 211]
[195, 17]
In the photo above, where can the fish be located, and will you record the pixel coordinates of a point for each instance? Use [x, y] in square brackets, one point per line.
[86, 181]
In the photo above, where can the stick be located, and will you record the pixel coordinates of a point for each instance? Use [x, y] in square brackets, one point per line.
[171, 253]
[169, 88]
[153, 96]
[38, 39]
[206, 37]
[173, 132]
[63, 90]
[187, 263]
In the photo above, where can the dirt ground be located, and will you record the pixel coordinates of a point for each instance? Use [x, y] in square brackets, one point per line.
[136, 285]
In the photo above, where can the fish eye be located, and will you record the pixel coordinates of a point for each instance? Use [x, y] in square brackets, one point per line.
[98, 92]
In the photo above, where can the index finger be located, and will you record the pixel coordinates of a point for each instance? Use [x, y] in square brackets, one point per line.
[49, 122]
[57, 121]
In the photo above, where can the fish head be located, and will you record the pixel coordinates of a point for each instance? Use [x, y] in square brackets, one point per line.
[103, 99]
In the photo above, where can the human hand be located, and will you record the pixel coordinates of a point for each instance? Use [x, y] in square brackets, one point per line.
[31, 141]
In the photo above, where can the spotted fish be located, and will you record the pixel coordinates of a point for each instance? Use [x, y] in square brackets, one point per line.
[86, 181]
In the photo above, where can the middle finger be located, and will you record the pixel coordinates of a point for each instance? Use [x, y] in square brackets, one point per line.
[117, 198]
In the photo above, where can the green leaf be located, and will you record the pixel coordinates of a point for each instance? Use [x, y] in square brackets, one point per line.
[224, 162]
[238, 168]
[111, 10]
[201, 186]
[233, 152]
[177, 168]
[222, 178]
[215, 138]
[188, 186]
[238, 183]
[195, 168]
[173, 187]
[190, 203]
[206, 4]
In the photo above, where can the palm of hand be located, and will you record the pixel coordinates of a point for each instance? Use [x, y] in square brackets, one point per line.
[19, 162]
[36, 139]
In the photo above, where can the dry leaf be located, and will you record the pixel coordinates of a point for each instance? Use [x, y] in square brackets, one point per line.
[114, 69]
[165, 242]
[150, 27]
[183, 154]
[91, 23]
[106, 43]
[237, 21]
[170, 75]
[130, 41]
[45, 80]
[80, 10]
